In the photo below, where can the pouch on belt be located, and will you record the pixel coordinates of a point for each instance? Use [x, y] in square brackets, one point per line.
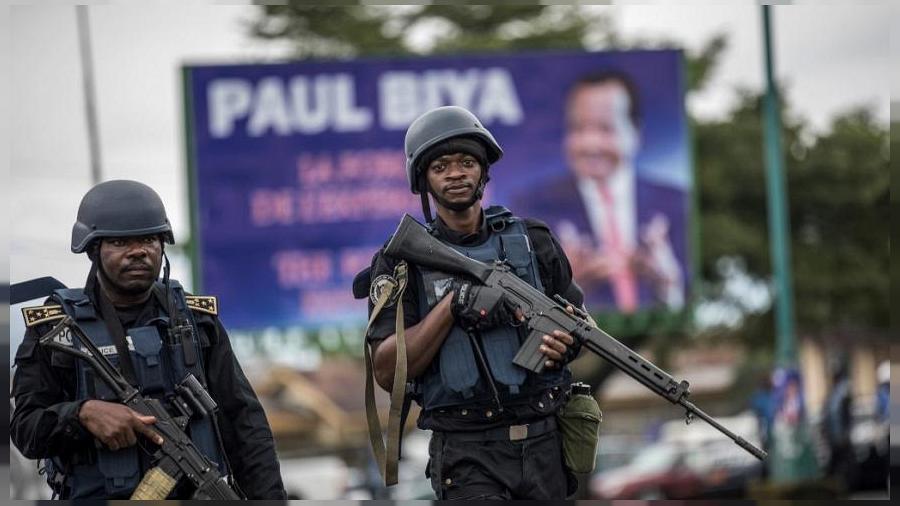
[579, 423]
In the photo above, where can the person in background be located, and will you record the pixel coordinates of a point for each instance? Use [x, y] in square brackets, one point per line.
[838, 420]
[763, 407]
[883, 391]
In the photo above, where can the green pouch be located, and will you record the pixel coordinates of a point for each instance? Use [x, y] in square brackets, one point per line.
[579, 423]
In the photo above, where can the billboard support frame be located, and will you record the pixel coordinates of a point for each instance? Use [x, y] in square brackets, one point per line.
[194, 244]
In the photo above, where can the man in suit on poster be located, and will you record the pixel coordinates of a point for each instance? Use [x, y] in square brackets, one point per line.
[624, 234]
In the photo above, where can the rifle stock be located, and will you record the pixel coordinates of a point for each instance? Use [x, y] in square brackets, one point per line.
[431, 252]
[543, 315]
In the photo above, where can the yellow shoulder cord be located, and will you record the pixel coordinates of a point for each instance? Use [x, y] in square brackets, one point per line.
[387, 456]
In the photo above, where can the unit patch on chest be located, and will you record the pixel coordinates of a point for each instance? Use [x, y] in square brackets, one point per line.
[203, 304]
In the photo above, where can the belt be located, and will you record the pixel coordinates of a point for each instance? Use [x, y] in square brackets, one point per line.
[508, 433]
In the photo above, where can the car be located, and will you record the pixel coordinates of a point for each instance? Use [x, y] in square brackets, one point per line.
[684, 462]
[616, 450]
[658, 471]
[727, 469]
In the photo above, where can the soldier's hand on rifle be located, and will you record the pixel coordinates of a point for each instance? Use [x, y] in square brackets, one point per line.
[480, 307]
[556, 346]
[116, 425]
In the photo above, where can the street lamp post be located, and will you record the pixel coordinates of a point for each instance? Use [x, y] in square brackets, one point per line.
[90, 103]
[791, 458]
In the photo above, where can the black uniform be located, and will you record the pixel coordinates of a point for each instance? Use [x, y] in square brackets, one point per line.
[45, 423]
[471, 455]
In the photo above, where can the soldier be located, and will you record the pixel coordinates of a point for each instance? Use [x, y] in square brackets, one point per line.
[495, 433]
[155, 334]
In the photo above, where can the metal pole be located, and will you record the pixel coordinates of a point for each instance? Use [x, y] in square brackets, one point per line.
[792, 456]
[779, 243]
[87, 74]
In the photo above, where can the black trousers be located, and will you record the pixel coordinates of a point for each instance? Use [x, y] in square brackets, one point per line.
[531, 468]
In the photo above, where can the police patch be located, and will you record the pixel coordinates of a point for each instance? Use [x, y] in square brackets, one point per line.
[379, 285]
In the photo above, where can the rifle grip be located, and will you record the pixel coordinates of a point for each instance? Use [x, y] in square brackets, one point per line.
[529, 355]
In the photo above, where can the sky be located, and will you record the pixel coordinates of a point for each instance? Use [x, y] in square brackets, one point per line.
[830, 58]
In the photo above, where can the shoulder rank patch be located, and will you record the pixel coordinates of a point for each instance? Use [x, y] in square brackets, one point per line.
[203, 304]
[42, 314]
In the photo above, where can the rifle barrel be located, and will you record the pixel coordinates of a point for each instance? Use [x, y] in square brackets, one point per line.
[743, 443]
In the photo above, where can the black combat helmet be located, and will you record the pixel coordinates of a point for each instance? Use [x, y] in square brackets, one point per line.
[119, 208]
[438, 125]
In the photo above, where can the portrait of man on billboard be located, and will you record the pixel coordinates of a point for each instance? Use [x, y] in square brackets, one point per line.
[624, 232]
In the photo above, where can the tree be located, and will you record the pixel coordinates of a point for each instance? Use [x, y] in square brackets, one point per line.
[839, 212]
[367, 30]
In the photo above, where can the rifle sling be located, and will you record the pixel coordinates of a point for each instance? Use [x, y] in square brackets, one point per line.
[387, 455]
[117, 332]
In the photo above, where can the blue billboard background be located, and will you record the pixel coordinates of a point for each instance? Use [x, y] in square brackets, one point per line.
[299, 171]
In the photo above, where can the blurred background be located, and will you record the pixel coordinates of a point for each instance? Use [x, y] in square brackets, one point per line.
[117, 91]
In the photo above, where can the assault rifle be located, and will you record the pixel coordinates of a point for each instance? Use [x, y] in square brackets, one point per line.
[543, 315]
[178, 458]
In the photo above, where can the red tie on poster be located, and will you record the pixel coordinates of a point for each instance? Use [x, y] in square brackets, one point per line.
[623, 282]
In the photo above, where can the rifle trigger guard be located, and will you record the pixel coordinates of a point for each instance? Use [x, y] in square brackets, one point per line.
[517, 323]
[688, 417]
[529, 314]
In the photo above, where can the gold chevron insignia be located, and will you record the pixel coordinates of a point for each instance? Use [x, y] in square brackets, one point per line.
[42, 314]
[204, 304]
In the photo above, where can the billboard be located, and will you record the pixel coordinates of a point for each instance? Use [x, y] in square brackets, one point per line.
[297, 171]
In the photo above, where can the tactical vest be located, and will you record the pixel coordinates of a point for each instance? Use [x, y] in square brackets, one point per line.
[454, 378]
[159, 367]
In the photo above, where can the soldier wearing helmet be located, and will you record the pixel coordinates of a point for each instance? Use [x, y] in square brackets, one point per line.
[91, 446]
[495, 433]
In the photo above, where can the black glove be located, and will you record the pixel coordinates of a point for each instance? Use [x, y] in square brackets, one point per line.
[480, 307]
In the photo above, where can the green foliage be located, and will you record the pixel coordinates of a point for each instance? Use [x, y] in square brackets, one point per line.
[839, 216]
[367, 30]
[319, 31]
[731, 188]
[512, 27]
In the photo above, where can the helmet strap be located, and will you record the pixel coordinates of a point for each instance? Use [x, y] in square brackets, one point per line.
[485, 177]
[426, 205]
[167, 269]
[90, 284]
